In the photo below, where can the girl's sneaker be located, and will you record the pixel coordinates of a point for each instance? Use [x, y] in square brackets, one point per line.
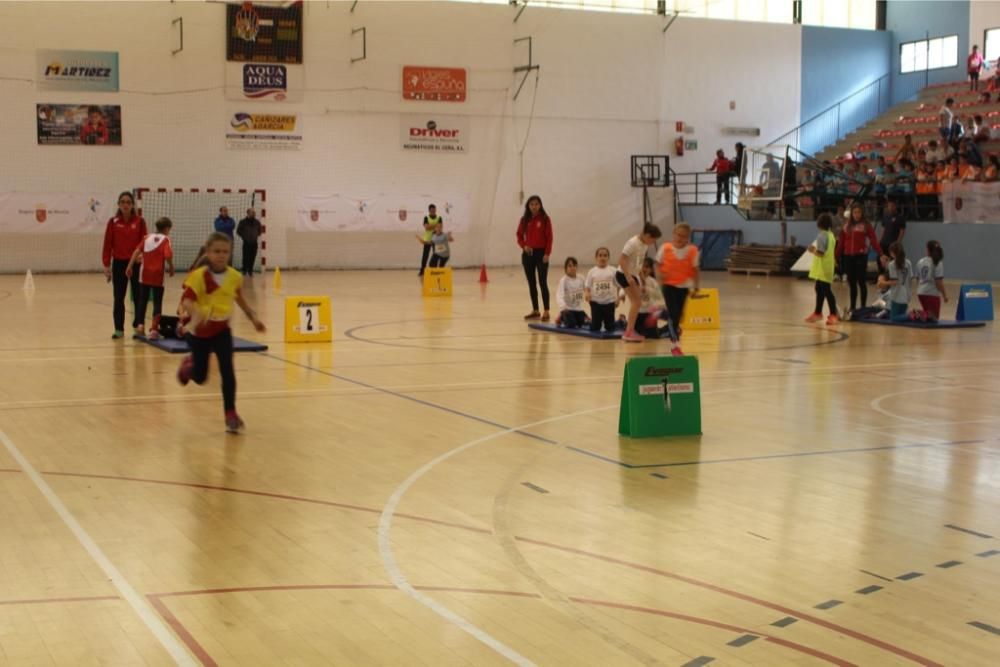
[533, 315]
[153, 335]
[139, 330]
[833, 319]
[676, 351]
[815, 317]
[633, 337]
[233, 422]
[118, 334]
[545, 316]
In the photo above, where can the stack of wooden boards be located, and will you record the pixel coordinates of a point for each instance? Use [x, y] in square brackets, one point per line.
[766, 259]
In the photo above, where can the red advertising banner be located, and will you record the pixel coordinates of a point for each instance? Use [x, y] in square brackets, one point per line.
[434, 84]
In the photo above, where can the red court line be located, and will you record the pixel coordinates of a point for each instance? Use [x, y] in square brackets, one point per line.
[725, 591]
[207, 660]
[96, 598]
[885, 646]
[266, 494]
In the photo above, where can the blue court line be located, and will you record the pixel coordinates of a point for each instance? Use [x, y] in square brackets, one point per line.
[762, 457]
[412, 399]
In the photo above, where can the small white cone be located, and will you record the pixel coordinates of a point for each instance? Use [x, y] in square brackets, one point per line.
[29, 281]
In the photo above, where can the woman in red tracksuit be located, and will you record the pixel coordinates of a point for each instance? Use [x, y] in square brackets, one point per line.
[124, 233]
[852, 251]
[534, 235]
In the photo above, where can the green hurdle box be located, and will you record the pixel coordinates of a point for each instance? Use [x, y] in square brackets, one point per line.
[661, 396]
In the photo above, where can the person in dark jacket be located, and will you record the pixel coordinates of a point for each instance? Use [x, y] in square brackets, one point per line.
[249, 230]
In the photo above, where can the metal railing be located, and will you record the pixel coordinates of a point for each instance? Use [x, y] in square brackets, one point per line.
[698, 187]
[836, 122]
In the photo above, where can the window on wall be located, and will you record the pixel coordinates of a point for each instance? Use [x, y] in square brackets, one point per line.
[937, 53]
[991, 45]
[833, 13]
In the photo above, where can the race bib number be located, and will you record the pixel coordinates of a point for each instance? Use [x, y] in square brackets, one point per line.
[603, 289]
[440, 249]
[574, 300]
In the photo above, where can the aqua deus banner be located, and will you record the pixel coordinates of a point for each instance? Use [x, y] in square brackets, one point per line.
[77, 70]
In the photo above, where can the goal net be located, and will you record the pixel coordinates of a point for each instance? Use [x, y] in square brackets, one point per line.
[193, 213]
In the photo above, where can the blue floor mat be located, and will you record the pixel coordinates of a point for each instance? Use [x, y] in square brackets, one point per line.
[583, 333]
[177, 346]
[940, 324]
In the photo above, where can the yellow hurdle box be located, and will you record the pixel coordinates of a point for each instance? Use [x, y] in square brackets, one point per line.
[307, 319]
[701, 312]
[437, 282]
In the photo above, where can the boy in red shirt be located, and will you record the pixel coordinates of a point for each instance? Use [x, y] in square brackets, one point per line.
[95, 130]
[722, 168]
[155, 253]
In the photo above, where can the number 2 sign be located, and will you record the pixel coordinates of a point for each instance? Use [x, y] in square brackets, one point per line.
[307, 319]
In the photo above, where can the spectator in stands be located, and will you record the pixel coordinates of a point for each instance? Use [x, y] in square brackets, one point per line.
[945, 120]
[951, 170]
[992, 171]
[970, 151]
[974, 65]
[722, 168]
[791, 189]
[907, 150]
[981, 132]
[935, 153]
[966, 170]
[927, 198]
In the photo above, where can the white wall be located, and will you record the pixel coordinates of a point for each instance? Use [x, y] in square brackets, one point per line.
[610, 86]
[983, 15]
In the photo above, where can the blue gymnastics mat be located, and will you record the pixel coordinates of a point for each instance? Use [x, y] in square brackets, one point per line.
[940, 324]
[178, 346]
[585, 332]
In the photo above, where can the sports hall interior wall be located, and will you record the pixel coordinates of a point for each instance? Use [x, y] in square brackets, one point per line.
[610, 85]
[912, 20]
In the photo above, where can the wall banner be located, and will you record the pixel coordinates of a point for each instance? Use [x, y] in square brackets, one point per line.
[79, 124]
[76, 70]
[55, 212]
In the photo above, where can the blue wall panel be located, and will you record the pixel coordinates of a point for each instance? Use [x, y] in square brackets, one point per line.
[911, 20]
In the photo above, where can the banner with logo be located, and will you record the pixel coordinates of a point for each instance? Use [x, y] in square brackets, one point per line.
[434, 84]
[263, 131]
[971, 202]
[79, 124]
[55, 212]
[264, 82]
[434, 134]
[264, 34]
[379, 213]
[76, 70]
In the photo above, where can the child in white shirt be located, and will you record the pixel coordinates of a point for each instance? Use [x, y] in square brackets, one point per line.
[569, 298]
[599, 290]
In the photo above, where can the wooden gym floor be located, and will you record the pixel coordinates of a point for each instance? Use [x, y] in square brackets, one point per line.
[441, 486]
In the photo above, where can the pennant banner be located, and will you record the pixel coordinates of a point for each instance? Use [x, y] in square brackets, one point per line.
[971, 202]
[381, 213]
[55, 212]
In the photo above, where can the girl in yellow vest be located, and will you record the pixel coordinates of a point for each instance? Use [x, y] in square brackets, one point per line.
[209, 294]
[822, 270]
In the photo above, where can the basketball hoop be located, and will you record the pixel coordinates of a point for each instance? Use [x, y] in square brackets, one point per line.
[247, 23]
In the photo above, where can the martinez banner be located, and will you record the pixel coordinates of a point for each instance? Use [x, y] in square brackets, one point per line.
[380, 213]
[76, 124]
[263, 131]
[262, 34]
[971, 202]
[76, 70]
[55, 212]
[434, 134]
[264, 82]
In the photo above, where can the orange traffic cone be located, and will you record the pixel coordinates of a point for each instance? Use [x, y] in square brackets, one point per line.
[482, 274]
